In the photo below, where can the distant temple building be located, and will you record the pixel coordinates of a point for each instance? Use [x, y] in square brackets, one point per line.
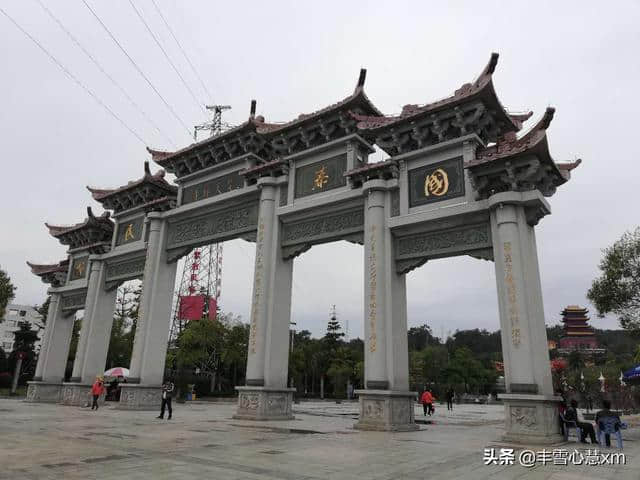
[578, 334]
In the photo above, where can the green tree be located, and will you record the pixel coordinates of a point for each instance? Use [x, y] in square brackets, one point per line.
[464, 369]
[6, 291]
[333, 337]
[200, 347]
[420, 337]
[236, 344]
[24, 340]
[123, 329]
[340, 370]
[617, 290]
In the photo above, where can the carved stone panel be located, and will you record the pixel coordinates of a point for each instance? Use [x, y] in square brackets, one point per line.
[373, 409]
[321, 176]
[43, 392]
[214, 225]
[522, 417]
[327, 227]
[130, 231]
[454, 241]
[436, 182]
[248, 401]
[74, 302]
[211, 188]
[129, 269]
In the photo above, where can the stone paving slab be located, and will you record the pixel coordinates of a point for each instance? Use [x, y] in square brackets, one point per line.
[39, 441]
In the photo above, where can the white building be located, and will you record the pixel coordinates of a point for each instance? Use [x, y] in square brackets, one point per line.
[15, 314]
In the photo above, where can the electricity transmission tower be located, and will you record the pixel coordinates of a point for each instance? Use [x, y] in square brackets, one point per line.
[215, 124]
[202, 269]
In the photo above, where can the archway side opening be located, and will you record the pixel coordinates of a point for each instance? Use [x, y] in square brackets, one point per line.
[453, 328]
[326, 350]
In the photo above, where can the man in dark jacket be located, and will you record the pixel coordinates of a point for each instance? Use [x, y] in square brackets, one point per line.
[167, 393]
[571, 415]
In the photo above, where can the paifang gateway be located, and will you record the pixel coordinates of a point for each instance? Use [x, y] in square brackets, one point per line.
[459, 180]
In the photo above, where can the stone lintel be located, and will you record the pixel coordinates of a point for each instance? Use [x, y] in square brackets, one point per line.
[386, 410]
[139, 396]
[531, 419]
[264, 403]
[43, 392]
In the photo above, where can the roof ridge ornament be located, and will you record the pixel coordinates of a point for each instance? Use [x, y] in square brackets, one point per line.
[490, 68]
[361, 79]
[252, 110]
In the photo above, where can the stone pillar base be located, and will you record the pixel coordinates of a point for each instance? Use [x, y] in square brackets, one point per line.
[386, 410]
[43, 392]
[140, 397]
[531, 419]
[264, 403]
[78, 395]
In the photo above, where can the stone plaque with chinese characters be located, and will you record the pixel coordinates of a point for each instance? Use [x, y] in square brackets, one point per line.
[436, 182]
[211, 188]
[321, 176]
[79, 268]
[130, 231]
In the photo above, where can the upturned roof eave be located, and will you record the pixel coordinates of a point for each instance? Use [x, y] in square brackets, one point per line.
[482, 87]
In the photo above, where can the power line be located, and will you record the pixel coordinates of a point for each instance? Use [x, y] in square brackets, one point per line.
[106, 74]
[137, 67]
[175, 69]
[204, 86]
[73, 77]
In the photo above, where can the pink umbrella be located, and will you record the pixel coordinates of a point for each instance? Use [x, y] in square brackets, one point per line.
[117, 372]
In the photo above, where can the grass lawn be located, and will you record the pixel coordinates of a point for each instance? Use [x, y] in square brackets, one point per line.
[20, 392]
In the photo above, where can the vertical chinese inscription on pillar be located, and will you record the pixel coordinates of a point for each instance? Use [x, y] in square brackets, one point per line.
[373, 273]
[257, 287]
[512, 303]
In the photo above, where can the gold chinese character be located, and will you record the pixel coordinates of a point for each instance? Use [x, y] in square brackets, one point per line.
[437, 183]
[79, 268]
[320, 178]
[128, 233]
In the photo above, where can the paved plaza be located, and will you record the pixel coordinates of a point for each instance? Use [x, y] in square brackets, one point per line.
[45, 441]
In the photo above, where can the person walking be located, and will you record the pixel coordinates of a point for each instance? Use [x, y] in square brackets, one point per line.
[427, 402]
[450, 395]
[97, 389]
[167, 393]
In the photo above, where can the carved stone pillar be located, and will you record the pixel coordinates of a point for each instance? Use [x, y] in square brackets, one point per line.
[54, 351]
[386, 402]
[266, 396]
[143, 389]
[94, 337]
[530, 406]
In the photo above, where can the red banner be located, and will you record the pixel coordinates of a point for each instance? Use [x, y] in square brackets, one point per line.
[213, 308]
[191, 307]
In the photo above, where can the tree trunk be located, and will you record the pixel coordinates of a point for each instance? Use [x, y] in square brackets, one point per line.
[322, 387]
[212, 385]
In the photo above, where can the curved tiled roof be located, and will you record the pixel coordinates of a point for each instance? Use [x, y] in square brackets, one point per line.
[156, 179]
[358, 96]
[482, 85]
[103, 222]
[510, 145]
[43, 269]
[358, 99]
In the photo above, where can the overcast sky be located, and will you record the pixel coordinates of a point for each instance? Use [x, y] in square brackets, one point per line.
[580, 57]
